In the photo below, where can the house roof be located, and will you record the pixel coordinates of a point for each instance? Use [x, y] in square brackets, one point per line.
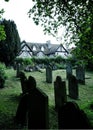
[48, 48]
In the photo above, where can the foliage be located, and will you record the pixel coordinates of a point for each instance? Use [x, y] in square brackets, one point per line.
[2, 75]
[48, 60]
[25, 61]
[10, 47]
[2, 32]
[60, 66]
[75, 15]
[84, 49]
[53, 14]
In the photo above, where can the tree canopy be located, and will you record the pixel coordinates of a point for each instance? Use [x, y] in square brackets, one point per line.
[10, 47]
[75, 15]
[2, 32]
[53, 14]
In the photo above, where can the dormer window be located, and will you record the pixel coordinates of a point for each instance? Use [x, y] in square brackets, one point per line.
[34, 48]
[42, 48]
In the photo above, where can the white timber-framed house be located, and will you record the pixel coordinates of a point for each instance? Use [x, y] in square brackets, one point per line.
[30, 49]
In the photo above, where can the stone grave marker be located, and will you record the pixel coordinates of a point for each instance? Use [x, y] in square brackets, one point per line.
[59, 92]
[48, 74]
[80, 74]
[23, 80]
[73, 87]
[18, 70]
[38, 114]
[70, 116]
[33, 108]
[68, 69]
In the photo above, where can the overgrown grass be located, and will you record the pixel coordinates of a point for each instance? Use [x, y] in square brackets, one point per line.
[10, 96]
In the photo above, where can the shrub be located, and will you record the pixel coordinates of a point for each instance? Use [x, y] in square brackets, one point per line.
[27, 61]
[60, 66]
[2, 75]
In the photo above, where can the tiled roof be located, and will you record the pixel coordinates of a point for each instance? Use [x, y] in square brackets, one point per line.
[48, 47]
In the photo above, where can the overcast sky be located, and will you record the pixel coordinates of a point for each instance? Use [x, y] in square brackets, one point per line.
[16, 10]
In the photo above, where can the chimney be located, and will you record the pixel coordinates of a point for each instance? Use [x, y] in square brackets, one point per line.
[48, 43]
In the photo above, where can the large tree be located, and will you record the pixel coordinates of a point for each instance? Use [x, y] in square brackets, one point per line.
[75, 15]
[9, 48]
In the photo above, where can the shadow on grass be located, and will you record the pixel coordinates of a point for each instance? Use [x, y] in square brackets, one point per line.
[15, 98]
[6, 121]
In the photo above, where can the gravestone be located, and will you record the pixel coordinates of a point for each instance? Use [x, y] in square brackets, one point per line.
[38, 114]
[70, 116]
[59, 92]
[33, 108]
[48, 74]
[73, 87]
[80, 74]
[18, 70]
[23, 80]
[68, 69]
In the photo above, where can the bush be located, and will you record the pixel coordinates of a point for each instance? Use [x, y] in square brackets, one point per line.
[2, 75]
[60, 66]
[25, 61]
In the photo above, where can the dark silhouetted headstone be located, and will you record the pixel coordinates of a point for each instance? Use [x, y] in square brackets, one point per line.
[23, 80]
[48, 74]
[38, 114]
[33, 107]
[80, 74]
[68, 69]
[18, 70]
[59, 92]
[70, 116]
[73, 87]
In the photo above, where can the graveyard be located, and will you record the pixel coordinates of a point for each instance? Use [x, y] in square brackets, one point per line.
[11, 93]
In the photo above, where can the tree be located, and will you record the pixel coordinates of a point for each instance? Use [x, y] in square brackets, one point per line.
[2, 32]
[9, 48]
[75, 15]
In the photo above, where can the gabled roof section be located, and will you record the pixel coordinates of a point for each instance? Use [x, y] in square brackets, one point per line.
[48, 48]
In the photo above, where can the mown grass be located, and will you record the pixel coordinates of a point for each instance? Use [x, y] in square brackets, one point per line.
[10, 96]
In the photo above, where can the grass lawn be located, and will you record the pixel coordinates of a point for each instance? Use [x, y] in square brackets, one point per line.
[10, 95]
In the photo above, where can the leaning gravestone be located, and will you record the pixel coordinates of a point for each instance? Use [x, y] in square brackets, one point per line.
[48, 74]
[80, 74]
[59, 92]
[38, 114]
[73, 87]
[68, 69]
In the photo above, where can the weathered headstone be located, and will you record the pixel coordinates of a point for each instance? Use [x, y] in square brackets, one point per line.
[33, 108]
[23, 80]
[70, 116]
[68, 69]
[48, 74]
[38, 114]
[80, 74]
[18, 70]
[59, 92]
[73, 87]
